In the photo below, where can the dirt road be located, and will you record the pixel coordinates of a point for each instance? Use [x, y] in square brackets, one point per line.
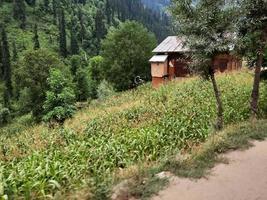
[244, 178]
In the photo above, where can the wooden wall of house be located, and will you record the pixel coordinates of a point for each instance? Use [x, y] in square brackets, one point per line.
[159, 69]
[226, 62]
[178, 65]
[158, 81]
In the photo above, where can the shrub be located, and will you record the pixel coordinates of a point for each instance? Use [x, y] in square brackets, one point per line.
[60, 98]
[4, 115]
[104, 90]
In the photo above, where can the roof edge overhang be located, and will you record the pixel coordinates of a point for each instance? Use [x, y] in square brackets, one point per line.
[159, 58]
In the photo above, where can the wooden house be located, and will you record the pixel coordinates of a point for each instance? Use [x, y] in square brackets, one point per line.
[171, 61]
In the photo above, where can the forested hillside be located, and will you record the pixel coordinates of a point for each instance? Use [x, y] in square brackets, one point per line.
[47, 41]
[157, 4]
[88, 19]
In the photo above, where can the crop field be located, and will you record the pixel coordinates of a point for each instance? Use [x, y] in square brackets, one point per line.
[85, 157]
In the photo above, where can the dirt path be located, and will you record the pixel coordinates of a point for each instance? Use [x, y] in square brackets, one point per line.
[245, 178]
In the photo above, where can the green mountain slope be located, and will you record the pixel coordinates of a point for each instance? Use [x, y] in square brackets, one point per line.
[90, 21]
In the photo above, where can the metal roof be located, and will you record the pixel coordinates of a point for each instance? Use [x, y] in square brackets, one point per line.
[159, 58]
[171, 44]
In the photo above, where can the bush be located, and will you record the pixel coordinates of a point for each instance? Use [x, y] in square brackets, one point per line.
[104, 90]
[60, 98]
[4, 115]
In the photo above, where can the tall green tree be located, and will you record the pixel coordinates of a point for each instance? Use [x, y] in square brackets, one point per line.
[19, 12]
[79, 70]
[207, 28]
[74, 46]
[14, 52]
[32, 74]
[100, 29]
[36, 43]
[126, 51]
[62, 34]
[1, 61]
[82, 32]
[253, 39]
[60, 98]
[46, 5]
[54, 10]
[7, 73]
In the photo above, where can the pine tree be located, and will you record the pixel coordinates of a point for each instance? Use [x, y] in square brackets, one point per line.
[54, 10]
[46, 5]
[6, 68]
[36, 38]
[14, 52]
[31, 3]
[100, 29]
[19, 12]
[1, 61]
[82, 32]
[74, 47]
[62, 34]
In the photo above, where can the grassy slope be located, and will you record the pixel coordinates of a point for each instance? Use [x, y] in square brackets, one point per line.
[139, 126]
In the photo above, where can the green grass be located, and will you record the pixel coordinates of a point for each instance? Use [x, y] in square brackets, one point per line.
[199, 160]
[134, 128]
[204, 158]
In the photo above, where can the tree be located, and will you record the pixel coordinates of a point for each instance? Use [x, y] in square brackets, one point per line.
[62, 34]
[31, 3]
[81, 80]
[100, 29]
[83, 90]
[96, 65]
[1, 61]
[82, 32]
[54, 10]
[207, 28]
[19, 12]
[46, 5]
[36, 43]
[6, 67]
[60, 98]
[74, 46]
[126, 51]
[253, 33]
[15, 53]
[32, 73]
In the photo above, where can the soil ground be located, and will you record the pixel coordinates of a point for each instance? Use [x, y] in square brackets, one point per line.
[244, 178]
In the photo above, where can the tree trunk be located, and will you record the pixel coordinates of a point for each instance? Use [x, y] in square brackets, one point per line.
[254, 105]
[256, 88]
[219, 123]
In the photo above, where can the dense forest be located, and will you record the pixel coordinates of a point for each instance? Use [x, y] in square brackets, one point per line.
[157, 4]
[37, 35]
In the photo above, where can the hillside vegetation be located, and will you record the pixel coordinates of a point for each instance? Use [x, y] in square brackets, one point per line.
[102, 142]
[83, 44]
